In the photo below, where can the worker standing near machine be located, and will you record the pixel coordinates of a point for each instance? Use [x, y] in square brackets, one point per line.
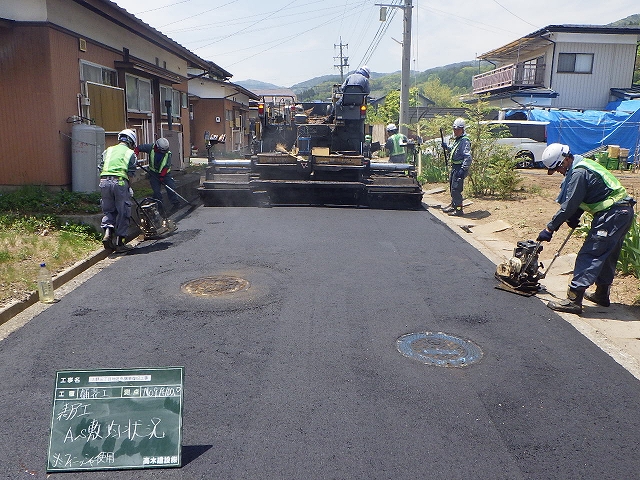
[460, 157]
[118, 164]
[589, 187]
[160, 170]
[396, 145]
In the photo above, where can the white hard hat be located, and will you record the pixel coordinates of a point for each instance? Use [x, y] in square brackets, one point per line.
[128, 136]
[391, 127]
[554, 154]
[458, 123]
[366, 70]
[162, 144]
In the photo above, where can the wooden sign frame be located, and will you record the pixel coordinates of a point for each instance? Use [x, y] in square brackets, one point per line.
[110, 419]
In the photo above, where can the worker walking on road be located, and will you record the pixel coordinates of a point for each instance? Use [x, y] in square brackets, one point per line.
[460, 155]
[396, 145]
[160, 170]
[117, 166]
[590, 187]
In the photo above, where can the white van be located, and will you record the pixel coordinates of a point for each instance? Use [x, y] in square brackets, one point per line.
[528, 140]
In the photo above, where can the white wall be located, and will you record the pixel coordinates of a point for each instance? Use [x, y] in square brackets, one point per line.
[612, 67]
[24, 10]
[86, 24]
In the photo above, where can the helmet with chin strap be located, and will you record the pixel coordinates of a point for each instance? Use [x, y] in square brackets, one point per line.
[162, 144]
[129, 137]
[554, 154]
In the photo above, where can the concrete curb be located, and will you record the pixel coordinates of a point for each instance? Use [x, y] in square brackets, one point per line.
[187, 188]
[7, 313]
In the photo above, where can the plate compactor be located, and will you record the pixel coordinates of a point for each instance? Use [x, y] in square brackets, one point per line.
[521, 273]
[152, 219]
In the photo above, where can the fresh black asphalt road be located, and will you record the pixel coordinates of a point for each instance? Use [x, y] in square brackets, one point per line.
[300, 376]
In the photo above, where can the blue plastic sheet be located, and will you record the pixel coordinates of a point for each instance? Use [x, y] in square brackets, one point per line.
[585, 131]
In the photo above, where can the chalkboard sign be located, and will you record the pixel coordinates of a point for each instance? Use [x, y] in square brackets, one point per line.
[116, 419]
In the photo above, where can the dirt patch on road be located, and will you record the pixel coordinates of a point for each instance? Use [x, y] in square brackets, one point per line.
[530, 210]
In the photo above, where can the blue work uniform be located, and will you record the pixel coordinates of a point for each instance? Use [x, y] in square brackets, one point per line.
[357, 78]
[590, 187]
[117, 166]
[460, 164]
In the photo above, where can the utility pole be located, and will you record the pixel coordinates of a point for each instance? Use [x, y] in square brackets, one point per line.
[405, 75]
[344, 61]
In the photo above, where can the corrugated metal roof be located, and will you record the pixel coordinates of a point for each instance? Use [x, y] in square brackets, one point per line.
[534, 41]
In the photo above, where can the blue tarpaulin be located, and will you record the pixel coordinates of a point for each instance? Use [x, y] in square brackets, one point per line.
[585, 131]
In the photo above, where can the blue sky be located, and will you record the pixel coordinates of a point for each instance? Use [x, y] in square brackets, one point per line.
[285, 42]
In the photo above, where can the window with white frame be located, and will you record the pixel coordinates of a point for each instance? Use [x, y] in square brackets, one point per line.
[168, 93]
[92, 72]
[575, 63]
[138, 94]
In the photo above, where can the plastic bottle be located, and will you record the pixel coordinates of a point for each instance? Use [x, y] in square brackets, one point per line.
[45, 285]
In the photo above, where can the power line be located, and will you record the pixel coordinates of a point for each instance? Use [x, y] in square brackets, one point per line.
[500, 5]
[382, 29]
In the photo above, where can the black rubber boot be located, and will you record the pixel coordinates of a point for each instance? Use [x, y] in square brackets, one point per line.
[600, 296]
[456, 212]
[448, 208]
[108, 239]
[122, 247]
[572, 304]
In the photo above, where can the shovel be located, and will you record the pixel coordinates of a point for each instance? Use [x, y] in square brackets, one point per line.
[165, 185]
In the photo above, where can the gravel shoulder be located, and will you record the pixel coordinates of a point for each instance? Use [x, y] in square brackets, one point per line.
[529, 211]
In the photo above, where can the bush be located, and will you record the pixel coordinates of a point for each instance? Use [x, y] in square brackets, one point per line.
[629, 260]
[433, 169]
[493, 168]
[37, 200]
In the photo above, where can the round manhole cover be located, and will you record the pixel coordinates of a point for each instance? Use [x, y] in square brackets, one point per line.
[439, 349]
[215, 286]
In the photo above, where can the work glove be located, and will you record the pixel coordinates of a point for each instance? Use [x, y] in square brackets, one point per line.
[544, 236]
[136, 151]
[574, 220]
[445, 147]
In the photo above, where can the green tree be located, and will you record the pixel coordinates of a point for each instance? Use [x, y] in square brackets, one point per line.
[441, 94]
[388, 112]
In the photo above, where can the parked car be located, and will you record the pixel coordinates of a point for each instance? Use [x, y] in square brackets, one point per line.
[527, 138]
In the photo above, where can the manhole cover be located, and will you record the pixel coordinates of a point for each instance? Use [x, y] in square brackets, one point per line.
[439, 349]
[215, 286]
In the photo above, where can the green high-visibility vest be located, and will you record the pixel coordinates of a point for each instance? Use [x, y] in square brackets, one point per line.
[618, 192]
[157, 166]
[116, 161]
[397, 148]
[456, 144]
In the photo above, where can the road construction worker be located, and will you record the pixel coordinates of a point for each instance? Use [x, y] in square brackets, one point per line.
[160, 170]
[117, 166]
[460, 156]
[590, 187]
[396, 145]
[358, 78]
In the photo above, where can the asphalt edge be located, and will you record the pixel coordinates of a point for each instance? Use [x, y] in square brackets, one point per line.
[582, 325]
